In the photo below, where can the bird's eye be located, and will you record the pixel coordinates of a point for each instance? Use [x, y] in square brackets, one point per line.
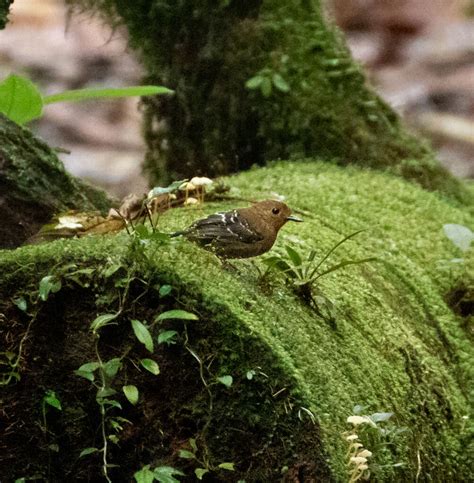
[275, 211]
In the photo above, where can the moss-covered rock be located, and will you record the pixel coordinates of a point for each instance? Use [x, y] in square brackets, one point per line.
[34, 185]
[307, 97]
[394, 344]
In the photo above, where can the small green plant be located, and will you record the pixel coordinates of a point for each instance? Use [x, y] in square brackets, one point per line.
[163, 474]
[204, 466]
[269, 79]
[302, 273]
[48, 285]
[22, 102]
[49, 401]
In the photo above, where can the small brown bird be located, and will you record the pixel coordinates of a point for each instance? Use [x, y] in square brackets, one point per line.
[241, 233]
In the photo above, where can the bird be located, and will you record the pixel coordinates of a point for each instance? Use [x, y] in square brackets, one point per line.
[240, 233]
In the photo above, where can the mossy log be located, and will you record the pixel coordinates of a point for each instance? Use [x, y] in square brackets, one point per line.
[393, 345]
[34, 185]
[309, 97]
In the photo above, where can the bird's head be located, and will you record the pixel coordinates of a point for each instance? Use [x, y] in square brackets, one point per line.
[273, 213]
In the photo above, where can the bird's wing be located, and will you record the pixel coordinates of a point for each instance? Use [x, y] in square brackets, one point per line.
[227, 227]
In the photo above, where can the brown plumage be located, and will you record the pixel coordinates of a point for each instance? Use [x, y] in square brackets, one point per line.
[241, 233]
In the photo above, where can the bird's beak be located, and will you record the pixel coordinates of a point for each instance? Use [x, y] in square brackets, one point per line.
[294, 218]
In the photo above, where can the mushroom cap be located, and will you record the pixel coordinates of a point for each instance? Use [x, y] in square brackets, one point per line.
[201, 181]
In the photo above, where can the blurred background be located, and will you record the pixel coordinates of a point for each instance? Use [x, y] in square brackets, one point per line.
[419, 55]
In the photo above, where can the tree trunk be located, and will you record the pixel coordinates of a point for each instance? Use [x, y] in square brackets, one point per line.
[383, 336]
[305, 95]
[4, 11]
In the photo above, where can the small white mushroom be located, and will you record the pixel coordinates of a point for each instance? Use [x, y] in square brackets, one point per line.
[200, 182]
[191, 201]
[358, 460]
[352, 437]
[187, 187]
[357, 420]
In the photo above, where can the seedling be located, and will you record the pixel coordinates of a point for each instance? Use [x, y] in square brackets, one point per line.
[303, 273]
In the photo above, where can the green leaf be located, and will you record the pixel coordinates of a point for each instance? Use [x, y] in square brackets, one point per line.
[151, 366]
[89, 367]
[83, 94]
[250, 374]
[111, 269]
[51, 399]
[112, 403]
[145, 475]
[379, 417]
[226, 380]
[192, 442]
[112, 366]
[167, 336]
[165, 474]
[294, 256]
[85, 374]
[20, 99]
[278, 263]
[142, 334]
[87, 451]
[102, 321]
[254, 82]
[184, 453]
[21, 303]
[177, 314]
[337, 245]
[131, 393]
[280, 83]
[142, 231]
[103, 393]
[165, 290]
[266, 87]
[227, 466]
[460, 235]
[200, 472]
[47, 285]
[160, 236]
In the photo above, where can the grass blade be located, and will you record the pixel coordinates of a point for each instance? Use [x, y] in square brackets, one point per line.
[337, 245]
[344, 264]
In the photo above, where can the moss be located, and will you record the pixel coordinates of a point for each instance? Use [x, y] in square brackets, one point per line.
[215, 125]
[395, 346]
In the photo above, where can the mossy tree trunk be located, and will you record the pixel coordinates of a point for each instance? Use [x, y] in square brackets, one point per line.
[397, 339]
[34, 185]
[4, 11]
[309, 98]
